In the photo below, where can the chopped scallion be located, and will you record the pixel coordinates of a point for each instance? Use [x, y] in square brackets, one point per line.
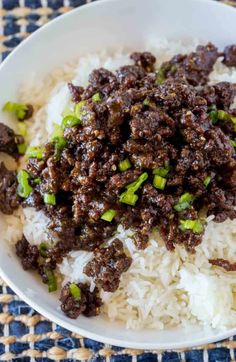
[43, 247]
[52, 282]
[184, 202]
[129, 198]
[233, 143]
[67, 112]
[22, 147]
[49, 199]
[96, 97]
[17, 108]
[78, 109]
[223, 116]
[35, 152]
[146, 102]
[213, 116]
[37, 181]
[207, 180]
[70, 121]
[161, 171]
[24, 189]
[57, 132]
[75, 291]
[22, 130]
[108, 215]
[195, 225]
[159, 182]
[134, 186]
[124, 165]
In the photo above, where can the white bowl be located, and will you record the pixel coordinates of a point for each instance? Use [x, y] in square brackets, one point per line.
[108, 24]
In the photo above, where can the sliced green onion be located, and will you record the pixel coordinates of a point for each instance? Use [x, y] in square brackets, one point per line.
[146, 102]
[213, 116]
[134, 186]
[184, 202]
[181, 207]
[67, 112]
[161, 171]
[17, 108]
[124, 165]
[35, 152]
[195, 225]
[96, 97]
[207, 180]
[60, 143]
[108, 215]
[161, 74]
[49, 199]
[52, 282]
[57, 132]
[78, 107]
[37, 181]
[22, 148]
[129, 198]
[24, 189]
[22, 130]
[223, 116]
[70, 121]
[233, 143]
[43, 247]
[75, 291]
[159, 182]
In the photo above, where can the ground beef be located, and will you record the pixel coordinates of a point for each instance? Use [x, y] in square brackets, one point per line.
[9, 141]
[29, 254]
[89, 304]
[230, 56]
[153, 149]
[225, 264]
[108, 265]
[9, 200]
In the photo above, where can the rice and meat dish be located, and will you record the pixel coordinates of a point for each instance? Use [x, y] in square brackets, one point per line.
[134, 189]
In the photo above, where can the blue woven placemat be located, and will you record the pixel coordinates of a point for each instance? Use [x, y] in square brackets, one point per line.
[25, 335]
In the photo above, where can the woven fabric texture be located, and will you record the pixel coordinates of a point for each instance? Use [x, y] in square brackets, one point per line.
[25, 335]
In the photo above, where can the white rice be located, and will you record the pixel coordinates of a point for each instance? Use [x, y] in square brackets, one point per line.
[161, 289]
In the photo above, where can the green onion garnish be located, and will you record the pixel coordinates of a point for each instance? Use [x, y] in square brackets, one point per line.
[108, 215]
[134, 186]
[223, 116]
[184, 202]
[129, 198]
[52, 282]
[161, 171]
[22, 148]
[37, 181]
[24, 189]
[213, 116]
[49, 199]
[124, 165]
[159, 182]
[75, 291]
[22, 130]
[78, 107]
[57, 132]
[146, 102]
[161, 74]
[195, 225]
[96, 97]
[207, 180]
[43, 247]
[35, 152]
[70, 121]
[67, 112]
[233, 143]
[17, 108]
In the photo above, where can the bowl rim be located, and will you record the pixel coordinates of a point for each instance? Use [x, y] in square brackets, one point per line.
[36, 306]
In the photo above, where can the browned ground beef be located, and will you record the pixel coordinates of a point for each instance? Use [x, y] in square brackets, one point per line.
[9, 141]
[177, 134]
[225, 264]
[9, 200]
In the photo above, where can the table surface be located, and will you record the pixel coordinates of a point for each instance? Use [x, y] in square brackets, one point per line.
[25, 335]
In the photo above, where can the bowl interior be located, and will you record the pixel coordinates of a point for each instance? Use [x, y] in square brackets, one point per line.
[107, 25]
